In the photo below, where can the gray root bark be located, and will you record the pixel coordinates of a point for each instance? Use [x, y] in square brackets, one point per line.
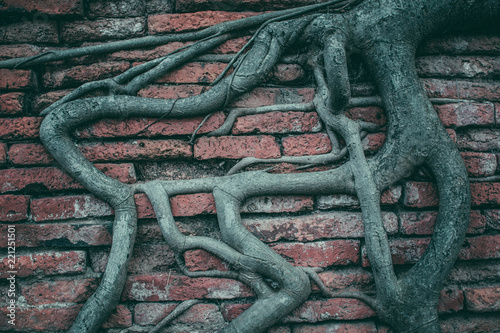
[386, 34]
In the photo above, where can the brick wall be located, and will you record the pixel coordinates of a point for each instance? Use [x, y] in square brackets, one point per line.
[64, 233]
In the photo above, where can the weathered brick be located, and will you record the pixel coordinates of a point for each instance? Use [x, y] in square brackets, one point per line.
[468, 272]
[485, 193]
[115, 28]
[482, 247]
[3, 153]
[479, 139]
[20, 128]
[287, 73]
[465, 114]
[152, 313]
[120, 8]
[422, 223]
[420, 195]
[331, 309]
[451, 300]
[29, 154]
[63, 235]
[15, 79]
[404, 251]
[278, 122]
[371, 114]
[340, 279]
[11, 103]
[462, 44]
[53, 179]
[41, 319]
[14, 208]
[31, 31]
[200, 260]
[121, 317]
[493, 218]
[462, 89]
[43, 101]
[19, 51]
[57, 77]
[314, 227]
[483, 299]
[272, 96]
[136, 150]
[191, 21]
[110, 128]
[321, 253]
[480, 164]
[388, 197]
[278, 204]
[307, 144]
[161, 287]
[460, 67]
[373, 142]
[47, 263]
[337, 328]
[159, 6]
[62, 291]
[53, 7]
[471, 323]
[178, 169]
[236, 147]
[75, 206]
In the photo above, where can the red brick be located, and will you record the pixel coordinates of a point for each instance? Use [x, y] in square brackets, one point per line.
[480, 164]
[42, 319]
[205, 314]
[15, 79]
[195, 72]
[161, 287]
[287, 73]
[14, 208]
[62, 235]
[20, 128]
[479, 139]
[349, 278]
[45, 100]
[485, 193]
[279, 204]
[47, 263]
[388, 197]
[373, 141]
[338, 328]
[463, 66]
[3, 153]
[471, 323]
[315, 226]
[200, 260]
[30, 31]
[11, 103]
[278, 122]
[371, 114]
[272, 96]
[320, 254]
[236, 147]
[111, 128]
[62, 291]
[307, 144]
[53, 179]
[121, 317]
[462, 44]
[422, 223]
[420, 195]
[482, 247]
[332, 309]
[483, 299]
[462, 89]
[231, 311]
[190, 21]
[451, 300]
[152, 313]
[19, 50]
[170, 92]
[452, 134]
[57, 77]
[136, 150]
[103, 29]
[29, 154]
[66, 207]
[54, 7]
[493, 218]
[404, 251]
[181, 205]
[465, 114]
[115, 8]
